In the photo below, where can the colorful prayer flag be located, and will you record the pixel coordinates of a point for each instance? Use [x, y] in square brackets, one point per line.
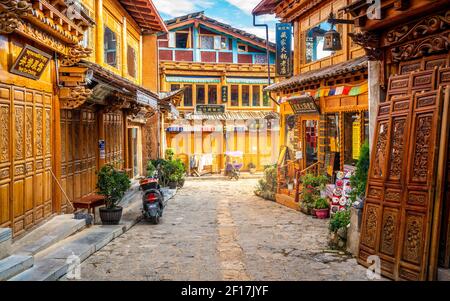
[355, 91]
[332, 91]
[346, 90]
[339, 90]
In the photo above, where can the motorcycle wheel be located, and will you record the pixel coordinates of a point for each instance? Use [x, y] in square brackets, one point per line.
[154, 219]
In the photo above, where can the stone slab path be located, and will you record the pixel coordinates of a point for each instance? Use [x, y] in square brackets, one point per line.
[218, 230]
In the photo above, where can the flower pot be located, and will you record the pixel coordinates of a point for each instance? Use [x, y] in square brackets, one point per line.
[111, 216]
[252, 170]
[322, 213]
[181, 183]
[173, 185]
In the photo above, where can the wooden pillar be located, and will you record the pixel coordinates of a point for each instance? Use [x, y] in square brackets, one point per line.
[126, 142]
[124, 47]
[99, 40]
[57, 156]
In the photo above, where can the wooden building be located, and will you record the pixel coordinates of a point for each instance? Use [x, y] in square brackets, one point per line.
[223, 71]
[406, 214]
[73, 96]
[324, 106]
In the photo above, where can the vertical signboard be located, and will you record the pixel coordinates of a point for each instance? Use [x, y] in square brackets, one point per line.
[284, 49]
[224, 93]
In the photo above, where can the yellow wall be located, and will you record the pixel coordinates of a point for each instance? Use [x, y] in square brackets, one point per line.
[111, 14]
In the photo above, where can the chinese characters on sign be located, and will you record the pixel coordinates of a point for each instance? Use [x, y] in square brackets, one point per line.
[224, 93]
[303, 105]
[210, 109]
[284, 49]
[31, 62]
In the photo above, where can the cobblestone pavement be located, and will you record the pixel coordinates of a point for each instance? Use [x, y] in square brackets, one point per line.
[218, 230]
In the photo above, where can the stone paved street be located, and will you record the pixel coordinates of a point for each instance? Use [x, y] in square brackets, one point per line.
[218, 230]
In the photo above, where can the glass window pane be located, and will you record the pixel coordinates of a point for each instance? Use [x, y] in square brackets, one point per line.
[266, 101]
[181, 39]
[315, 41]
[256, 96]
[110, 41]
[245, 96]
[207, 42]
[200, 94]
[131, 61]
[234, 95]
[187, 95]
[212, 94]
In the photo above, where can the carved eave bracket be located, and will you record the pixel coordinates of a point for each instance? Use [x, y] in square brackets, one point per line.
[75, 55]
[370, 42]
[73, 97]
[134, 109]
[116, 101]
[12, 13]
[73, 92]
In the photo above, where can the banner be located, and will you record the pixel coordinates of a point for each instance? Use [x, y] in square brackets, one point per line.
[284, 49]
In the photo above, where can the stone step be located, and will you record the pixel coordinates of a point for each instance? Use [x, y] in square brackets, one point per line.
[53, 231]
[55, 261]
[14, 265]
[5, 242]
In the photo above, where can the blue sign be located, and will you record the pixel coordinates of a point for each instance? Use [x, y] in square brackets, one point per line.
[284, 49]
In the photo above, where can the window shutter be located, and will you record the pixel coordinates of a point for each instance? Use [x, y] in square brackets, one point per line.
[172, 40]
[217, 42]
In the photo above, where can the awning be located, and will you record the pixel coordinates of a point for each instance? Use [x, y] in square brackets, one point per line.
[147, 100]
[323, 73]
[231, 115]
[304, 104]
[248, 81]
[192, 80]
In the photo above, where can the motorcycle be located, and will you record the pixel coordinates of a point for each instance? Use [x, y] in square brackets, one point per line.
[152, 201]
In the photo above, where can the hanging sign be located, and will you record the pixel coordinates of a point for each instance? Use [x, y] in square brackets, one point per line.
[284, 49]
[304, 104]
[30, 63]
[210, 109]
[101, 147]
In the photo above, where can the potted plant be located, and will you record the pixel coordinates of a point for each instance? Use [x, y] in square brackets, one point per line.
[251, 167]
[173, 181]
[321, 208]
[180, 171]
[169, 154]
[112, 184]
[311, 191]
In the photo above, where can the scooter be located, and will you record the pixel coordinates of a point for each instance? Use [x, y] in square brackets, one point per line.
[153, 200]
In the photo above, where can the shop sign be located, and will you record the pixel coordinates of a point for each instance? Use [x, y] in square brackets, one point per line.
[304, 104]
[224, 93]
[210, 109]
[30, 63]
[284, 49]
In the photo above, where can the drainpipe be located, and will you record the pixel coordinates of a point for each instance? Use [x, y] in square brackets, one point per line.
[268, 54]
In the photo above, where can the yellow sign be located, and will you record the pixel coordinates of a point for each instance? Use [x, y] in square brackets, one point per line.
[356, 139]
[31, 62]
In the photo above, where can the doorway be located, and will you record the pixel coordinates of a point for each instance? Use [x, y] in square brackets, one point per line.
[310, 137]
[134, 151]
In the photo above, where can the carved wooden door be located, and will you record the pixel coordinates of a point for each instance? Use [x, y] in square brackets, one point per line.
[114, 138]
[79, 153]
[25, 157]
[400, 194]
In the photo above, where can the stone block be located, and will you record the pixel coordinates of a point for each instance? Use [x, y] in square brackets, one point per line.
[13, 265]
[353, 231]
[5, 242]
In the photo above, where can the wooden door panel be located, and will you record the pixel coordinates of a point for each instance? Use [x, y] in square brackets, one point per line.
[4, 204]
[29, 205]
[397, 216]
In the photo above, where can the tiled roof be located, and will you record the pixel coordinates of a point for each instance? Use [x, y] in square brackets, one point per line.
[323, 73]
[233, 115]
[116, 80]
[266, 7]
[228, 28]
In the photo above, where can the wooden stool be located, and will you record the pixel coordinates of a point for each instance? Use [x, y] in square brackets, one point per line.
[89, 202]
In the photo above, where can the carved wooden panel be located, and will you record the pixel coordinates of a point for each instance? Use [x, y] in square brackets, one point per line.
[114, 124]
[25, 157]
[79, 153]
[396, 218]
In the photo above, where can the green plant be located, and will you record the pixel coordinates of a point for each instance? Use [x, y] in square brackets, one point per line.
[180, 169]
[339, 220]
[169, 154]
[312, 185]
[267, 186]
[150, 169]
[358, 180]
[113, 184]
[321, 203]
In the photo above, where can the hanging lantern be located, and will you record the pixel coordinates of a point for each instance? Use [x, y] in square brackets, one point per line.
[332, 41]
